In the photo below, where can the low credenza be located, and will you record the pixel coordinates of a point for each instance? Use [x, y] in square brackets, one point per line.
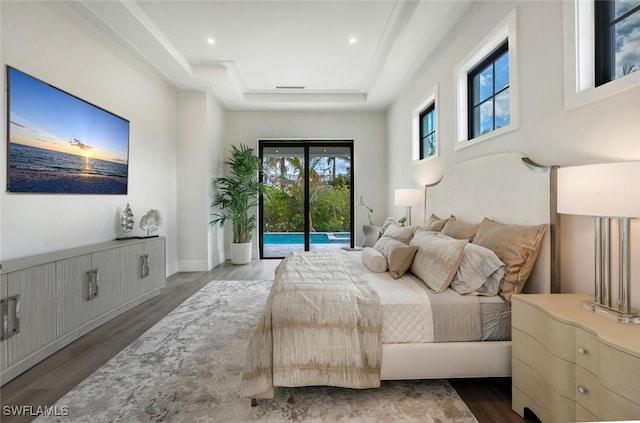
[569, 364]
[50, 300]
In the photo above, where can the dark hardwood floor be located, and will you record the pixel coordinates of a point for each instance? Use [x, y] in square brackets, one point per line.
[48, 381]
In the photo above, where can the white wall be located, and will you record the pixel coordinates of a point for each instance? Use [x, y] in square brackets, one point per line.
[367, 129]
[604, 131]
[49, 41]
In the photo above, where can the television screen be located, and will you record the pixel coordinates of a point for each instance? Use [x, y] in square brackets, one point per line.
[59, 143]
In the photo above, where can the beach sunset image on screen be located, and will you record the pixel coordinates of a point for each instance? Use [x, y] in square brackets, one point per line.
[59, 143]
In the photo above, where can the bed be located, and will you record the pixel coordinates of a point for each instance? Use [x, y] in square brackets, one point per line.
[390, 339]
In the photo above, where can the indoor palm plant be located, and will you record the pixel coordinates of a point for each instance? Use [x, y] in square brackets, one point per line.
[235, 196]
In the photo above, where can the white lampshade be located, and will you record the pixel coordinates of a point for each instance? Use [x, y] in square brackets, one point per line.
[407, 197]
[604, 190]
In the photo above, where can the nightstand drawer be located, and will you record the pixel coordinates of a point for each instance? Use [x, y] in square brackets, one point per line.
[613, 407]
[558, 373]
[586, 350]
[558, 337]
[620, 373]
[584, 415]
[538, 396]
[586, 390]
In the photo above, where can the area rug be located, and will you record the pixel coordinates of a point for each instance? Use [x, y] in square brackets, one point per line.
[187, 368]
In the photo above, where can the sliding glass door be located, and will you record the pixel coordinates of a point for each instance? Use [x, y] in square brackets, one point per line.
[308, 201]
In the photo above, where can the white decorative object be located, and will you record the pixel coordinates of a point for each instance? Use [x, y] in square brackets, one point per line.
[361, 203]
[126, 220]
[150, 221]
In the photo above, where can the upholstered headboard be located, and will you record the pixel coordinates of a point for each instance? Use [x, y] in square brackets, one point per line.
[508, 188]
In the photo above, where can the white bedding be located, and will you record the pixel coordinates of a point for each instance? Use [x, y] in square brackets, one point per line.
[407, 313]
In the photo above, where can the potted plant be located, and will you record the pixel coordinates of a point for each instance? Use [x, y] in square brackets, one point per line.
[235, 196]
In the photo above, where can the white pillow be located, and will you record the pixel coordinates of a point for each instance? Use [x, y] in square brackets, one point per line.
[437, 259]
[480, 272]
[374, 260]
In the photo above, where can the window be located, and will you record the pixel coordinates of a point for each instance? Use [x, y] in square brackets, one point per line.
[617, 40]
[487, 86]
[488, 93]
[581, 86]
[424, 123]
[428, 132]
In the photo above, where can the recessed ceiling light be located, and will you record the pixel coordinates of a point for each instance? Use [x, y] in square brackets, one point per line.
[211, 41]
[353, 40]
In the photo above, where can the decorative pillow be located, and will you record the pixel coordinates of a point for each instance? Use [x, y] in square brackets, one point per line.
[398, 254]
[374, 260]
[371, 235]
[480, 272]
[401, 233]
[516, 246]
[459, 230]
[437, 259]
[387, 222]
[434, 223]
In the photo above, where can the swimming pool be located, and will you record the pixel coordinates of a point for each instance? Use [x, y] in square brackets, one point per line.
[298, 238]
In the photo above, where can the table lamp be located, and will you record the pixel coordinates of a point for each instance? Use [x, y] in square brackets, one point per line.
[605, 192]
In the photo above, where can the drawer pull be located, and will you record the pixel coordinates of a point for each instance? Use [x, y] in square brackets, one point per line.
[583, 390]
[582, 351]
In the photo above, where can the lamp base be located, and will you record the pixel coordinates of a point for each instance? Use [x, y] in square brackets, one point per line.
[632, 317]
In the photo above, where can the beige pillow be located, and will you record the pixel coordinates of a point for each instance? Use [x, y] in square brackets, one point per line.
[399, 255]
[516, 246]
[433, 223]
[374, 260]
[401, 233]
[437, 259]
[459, 230]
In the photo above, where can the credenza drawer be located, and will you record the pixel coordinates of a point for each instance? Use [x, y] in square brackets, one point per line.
[558, 337]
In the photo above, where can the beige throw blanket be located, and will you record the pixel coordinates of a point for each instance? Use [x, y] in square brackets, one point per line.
[321, 326]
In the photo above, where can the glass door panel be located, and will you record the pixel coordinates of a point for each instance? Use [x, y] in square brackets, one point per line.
[282, 222]
[308, 201]
[329, 197]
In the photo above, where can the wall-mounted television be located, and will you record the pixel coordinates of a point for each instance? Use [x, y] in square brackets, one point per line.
[59, 143]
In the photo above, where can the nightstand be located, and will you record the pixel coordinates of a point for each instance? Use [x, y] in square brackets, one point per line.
[569, 364]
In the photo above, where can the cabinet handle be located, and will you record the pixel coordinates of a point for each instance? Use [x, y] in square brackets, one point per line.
[10, 317]
[583, 390]
[582, 351]
[144, 266]
[95, 282]
[89, 284]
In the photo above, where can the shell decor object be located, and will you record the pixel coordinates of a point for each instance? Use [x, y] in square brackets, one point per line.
[126, 220]
[150, 221]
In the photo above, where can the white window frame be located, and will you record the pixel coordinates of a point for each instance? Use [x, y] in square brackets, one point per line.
[431, 98]
[505, 30]
[579, 64]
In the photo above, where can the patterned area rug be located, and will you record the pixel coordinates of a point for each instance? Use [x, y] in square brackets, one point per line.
[188, 366]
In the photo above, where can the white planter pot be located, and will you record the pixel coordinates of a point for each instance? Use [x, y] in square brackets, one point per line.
[241, 253]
